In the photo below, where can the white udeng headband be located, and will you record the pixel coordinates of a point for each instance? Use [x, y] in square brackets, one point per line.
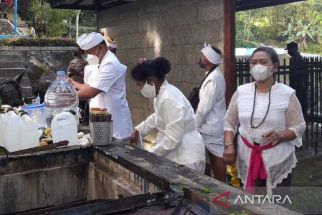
[112, 44]
[211, 55]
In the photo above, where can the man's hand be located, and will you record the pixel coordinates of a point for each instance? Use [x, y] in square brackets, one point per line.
[74, 83]
[134, 137]
[230, 154]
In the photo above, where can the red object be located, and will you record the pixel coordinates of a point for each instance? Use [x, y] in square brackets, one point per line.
[9, 3]
[224, 204]
[256, 169]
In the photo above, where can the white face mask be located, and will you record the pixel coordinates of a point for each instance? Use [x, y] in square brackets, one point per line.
[261, 72]
[148, 91]
[92, 59]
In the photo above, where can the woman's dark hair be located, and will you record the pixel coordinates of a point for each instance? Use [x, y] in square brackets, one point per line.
[271, 52]
[158, 67]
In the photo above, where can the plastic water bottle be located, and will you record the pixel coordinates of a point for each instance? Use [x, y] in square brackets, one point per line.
[64, 127]
[61, 96]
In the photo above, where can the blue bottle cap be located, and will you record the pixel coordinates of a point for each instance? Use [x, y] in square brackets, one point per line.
[60, 73]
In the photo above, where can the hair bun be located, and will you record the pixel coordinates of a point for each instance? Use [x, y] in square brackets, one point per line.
[162, 64]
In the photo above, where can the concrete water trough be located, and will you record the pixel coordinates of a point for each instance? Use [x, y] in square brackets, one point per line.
[115, 179]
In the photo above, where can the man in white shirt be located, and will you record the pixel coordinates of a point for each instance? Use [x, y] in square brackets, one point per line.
[105, 85]
[212, 109]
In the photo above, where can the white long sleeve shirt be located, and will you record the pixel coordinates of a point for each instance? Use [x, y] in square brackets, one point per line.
[212, 107]
[177, 139]
[110, 79]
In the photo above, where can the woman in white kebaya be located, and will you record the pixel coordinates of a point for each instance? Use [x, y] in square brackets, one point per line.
[178, 139]
[269, 119]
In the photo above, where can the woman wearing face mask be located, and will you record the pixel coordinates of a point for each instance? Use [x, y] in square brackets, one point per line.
[177, 139]
[270, 124]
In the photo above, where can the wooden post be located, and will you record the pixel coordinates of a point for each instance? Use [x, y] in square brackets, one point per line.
[97, 9]
[229, 48]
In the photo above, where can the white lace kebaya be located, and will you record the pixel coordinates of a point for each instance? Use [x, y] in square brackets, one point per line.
[284, 113]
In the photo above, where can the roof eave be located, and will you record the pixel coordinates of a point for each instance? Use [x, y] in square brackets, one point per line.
[254, 4]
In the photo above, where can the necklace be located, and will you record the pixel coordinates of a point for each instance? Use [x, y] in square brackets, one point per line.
[252, 116]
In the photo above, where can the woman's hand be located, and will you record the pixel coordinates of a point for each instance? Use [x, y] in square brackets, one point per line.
[230, 154]
[273, 137]
[134, 137]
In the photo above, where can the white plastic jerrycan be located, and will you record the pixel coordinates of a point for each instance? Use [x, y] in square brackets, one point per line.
[17, 132]
[64, 127]
[29, 136]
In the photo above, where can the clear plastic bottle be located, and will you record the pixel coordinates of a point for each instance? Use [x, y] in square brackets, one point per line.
[61, 96]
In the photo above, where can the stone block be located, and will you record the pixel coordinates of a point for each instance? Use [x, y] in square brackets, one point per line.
[11, 72]
[176, 73]
[5, 57]
[151, 39]
[131, 10]
[126, 26]
[177, 84]
[151, 6]
[191, 73]
[107, 17]
[136, 100]
[210, 10]
[167, 36]
[178, 16]
[173, 54]
[169, 4]
[148, 22]
[129, 57]
[139, 115]
[151, 53]
[113, 31]
[19, 63]
[189, 55]
[207, 31]
[186, 88]
[129, 41]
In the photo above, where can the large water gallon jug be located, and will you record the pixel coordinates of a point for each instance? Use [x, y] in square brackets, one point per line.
[61, 96]
[64, 127]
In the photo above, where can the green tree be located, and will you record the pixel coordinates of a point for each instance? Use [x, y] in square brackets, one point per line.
[279, 25]
[50, 22]
[25, 10]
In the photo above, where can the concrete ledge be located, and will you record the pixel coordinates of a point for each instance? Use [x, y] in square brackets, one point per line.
[37, 48]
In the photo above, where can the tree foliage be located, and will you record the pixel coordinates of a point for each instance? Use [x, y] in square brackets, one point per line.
[300, 22]
[50, 22]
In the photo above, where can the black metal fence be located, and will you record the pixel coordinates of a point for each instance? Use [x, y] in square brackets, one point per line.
[313, 134]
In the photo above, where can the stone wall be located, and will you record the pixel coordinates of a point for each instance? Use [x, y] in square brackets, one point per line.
[176, 30]
[40, 63]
